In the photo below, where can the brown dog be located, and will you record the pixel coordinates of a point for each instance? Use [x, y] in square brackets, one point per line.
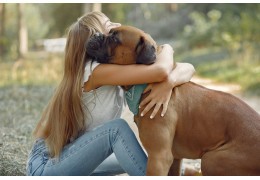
[214, 126]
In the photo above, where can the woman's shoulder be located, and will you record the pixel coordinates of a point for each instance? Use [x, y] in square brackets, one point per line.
[90, 66]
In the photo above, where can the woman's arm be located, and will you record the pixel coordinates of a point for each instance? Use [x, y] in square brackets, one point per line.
[182, 73]
[161, 92]
[111, 74]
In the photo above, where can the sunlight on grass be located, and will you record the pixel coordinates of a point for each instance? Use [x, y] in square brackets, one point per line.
[218, 65]
[32, 71]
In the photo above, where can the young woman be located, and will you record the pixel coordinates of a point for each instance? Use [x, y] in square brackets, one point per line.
[79, 130]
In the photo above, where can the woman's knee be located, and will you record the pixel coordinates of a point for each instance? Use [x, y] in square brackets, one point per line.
[121, 126]
[120, 123]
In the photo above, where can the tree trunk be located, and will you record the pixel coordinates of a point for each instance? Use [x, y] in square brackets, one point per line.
[22, 32]
[2, 29]
[88, 7]
[97, 7]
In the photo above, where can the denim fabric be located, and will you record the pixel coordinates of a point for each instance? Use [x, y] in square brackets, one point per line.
[88, 154]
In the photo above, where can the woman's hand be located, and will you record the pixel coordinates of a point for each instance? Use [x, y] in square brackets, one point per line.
[161, 92]
[159, 96]
[182, 73]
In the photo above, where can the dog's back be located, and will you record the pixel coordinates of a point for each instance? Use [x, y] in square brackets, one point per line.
[215, 123]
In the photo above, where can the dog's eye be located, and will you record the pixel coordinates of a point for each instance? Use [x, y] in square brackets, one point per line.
[139, 45]
[112, 37]
[112, 32]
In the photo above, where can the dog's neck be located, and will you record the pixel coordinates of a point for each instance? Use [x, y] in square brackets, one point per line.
[126, 88]
[133, 97]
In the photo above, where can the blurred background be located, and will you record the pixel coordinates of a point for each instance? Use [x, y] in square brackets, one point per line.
[222, 41]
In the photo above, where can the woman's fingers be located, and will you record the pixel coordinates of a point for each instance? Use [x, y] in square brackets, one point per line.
[156, 106]
[148, 88]
[145, 101]
[159, 96]
[147, 108]
[155, 110]
[165, 106]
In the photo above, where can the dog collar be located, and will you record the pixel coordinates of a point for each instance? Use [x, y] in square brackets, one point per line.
[133, 97]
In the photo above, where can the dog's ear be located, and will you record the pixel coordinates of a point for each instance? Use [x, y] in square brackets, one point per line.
[145, 52]
[97, 55]
[96, 50]
[140, 45]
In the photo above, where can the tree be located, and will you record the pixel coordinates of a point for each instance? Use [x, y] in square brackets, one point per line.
[22, 32]
[88, 7]
[2, 29]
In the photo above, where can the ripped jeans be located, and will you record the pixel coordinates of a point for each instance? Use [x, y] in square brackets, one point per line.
[107, 150]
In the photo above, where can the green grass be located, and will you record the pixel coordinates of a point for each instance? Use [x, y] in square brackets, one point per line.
[36, 69]
[218, 65]
[248, 76]
[20, 109]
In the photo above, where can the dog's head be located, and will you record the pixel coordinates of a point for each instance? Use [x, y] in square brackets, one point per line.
[124, 45]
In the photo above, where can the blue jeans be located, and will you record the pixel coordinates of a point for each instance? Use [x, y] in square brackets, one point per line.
[88, 154]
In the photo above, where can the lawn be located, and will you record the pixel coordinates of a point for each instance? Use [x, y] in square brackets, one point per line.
[20, 109]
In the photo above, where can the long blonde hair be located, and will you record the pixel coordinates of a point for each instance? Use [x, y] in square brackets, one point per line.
[63, 118]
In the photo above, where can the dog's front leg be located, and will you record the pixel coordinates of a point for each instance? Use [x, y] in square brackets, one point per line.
[157, 136]
[159, 162]
[175, 169]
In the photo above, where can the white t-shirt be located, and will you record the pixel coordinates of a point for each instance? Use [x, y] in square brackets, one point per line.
[102, 104]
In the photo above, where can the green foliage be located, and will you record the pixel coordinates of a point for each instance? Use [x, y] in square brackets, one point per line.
[234, 27]
[216, 64]
[59, 16]
[247, 75]
[36, 27]
[116, 12]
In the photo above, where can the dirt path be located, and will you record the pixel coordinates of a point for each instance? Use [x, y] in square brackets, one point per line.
[234, 89]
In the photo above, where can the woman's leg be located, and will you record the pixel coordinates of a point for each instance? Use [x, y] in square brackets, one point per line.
[87, 152]
[109, 167]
